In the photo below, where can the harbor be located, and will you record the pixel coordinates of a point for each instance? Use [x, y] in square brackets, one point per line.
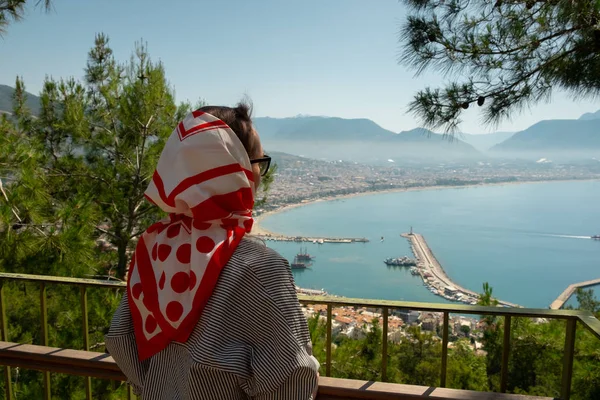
[315, 240]
[435, 278]
[568, 292]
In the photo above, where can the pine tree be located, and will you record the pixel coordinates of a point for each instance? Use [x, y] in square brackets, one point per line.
[505, 54]
[131, 113]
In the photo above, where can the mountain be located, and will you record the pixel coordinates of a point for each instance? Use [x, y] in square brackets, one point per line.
[320, 128]
[6, 99]
[590, 116]
[560, 137]
[358, 140]
[484, 142]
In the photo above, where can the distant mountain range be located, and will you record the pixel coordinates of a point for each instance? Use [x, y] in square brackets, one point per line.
[359, 140]
[363, 140]
[564, 138]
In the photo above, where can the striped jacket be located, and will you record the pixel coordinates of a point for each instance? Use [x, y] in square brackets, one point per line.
[251, 342]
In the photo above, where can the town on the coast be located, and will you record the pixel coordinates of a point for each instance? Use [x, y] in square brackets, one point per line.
[356, 322]
[301, 180]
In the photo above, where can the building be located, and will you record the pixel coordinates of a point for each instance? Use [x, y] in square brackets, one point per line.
[409, 317]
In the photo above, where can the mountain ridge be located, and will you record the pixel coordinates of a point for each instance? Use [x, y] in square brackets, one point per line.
[6, 99]
[555, 135]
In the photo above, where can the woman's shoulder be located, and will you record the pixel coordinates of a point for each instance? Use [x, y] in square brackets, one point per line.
[271, 269]
[255, 253]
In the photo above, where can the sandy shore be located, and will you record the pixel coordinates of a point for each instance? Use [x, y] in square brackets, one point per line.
[257, 229]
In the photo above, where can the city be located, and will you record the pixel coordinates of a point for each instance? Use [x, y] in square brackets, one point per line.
[301, 180]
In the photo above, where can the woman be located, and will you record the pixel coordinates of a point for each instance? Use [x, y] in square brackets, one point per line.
[209, 313]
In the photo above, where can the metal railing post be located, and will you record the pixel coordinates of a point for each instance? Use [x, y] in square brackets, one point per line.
[328, 349]
[445, 349]
[44, 332]
[384, 344]
[569, 352]
[7, 370]
[86, 338]
[505, 354]
[130, 394]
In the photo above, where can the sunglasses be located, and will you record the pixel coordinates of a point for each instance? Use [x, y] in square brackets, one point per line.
[263, 163]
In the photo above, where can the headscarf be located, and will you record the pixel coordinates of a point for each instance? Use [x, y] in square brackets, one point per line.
[204, 181]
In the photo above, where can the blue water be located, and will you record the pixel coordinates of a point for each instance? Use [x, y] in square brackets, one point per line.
[528, 241]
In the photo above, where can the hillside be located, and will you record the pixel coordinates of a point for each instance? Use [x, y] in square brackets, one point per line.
[555, 136]
[590, 116]
[320, 128]
[6, 99]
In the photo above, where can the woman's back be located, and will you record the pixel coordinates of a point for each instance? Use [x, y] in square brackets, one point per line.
[251, 340]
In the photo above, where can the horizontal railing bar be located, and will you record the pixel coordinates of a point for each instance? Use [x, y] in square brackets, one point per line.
[73, 362]
[591, 323]
[336, 388]
[585, 317]
[100, 365]
[439, 307]
[61, 280]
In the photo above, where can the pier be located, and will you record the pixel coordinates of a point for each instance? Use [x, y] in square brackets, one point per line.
[564, 296]
[435, 277]
[318, 240]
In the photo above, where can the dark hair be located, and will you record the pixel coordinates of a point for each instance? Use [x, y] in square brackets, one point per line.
[239, 120]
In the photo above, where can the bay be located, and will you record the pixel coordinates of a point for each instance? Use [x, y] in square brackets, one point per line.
[529, 241]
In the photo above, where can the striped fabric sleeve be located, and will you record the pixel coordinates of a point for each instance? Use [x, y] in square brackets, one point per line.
[120, 343]
[282, 364]
[300, 385]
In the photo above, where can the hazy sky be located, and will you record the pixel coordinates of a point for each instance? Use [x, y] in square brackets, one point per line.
[318, 57]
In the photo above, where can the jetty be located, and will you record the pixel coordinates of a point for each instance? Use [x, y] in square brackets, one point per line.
[564, 296]
[319, 240]
[436, 278]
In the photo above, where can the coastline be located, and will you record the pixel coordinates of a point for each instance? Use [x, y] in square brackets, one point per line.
[259, 230]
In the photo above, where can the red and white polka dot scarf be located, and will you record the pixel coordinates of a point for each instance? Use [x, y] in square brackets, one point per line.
[204, 181]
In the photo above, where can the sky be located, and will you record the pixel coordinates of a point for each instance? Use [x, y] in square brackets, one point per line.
[316, 57]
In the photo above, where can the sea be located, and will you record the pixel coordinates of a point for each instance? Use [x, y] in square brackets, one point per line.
[528, 241]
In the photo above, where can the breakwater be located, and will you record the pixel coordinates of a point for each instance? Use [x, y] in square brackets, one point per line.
[316, 240]
[434, 276]
[568, 292]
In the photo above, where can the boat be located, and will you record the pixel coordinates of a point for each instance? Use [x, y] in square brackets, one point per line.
[414, 271]
[595, 237]
[400, 262]
[304, 256]
[297, 264]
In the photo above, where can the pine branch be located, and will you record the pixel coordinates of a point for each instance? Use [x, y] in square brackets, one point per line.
[510, 54]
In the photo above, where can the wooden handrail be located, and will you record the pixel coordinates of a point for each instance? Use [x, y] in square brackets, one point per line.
[101, 365]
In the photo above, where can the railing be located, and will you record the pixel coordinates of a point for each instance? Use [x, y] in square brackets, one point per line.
[99, 365]
[571, 317]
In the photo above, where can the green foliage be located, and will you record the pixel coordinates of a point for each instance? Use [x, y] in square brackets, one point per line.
[72, 183]
[535, 362]
[506, 55]
[587, 301]
[265, 185]
[416, 359]
[78, 172]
